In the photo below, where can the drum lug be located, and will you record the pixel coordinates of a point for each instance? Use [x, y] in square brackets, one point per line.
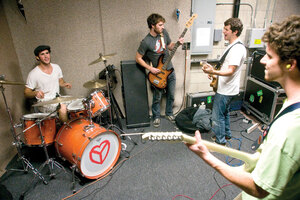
[92, 104]
[88, 127]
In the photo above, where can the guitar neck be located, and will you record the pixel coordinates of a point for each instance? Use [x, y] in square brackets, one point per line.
[174, 50]
[249, 159]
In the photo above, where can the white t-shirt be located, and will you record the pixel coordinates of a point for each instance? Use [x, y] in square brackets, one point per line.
[229, 85]
[48, 83]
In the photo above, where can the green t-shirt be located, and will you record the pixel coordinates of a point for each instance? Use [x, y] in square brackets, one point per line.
[278, 168]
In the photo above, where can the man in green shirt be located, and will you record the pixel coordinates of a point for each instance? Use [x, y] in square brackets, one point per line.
[277, 172]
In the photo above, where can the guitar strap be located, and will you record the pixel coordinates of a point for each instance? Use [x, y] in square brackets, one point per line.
[220, 63]
[266, 131]
[162, 40]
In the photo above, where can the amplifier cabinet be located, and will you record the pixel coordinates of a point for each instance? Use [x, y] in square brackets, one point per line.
[135, 95]
[262, 100]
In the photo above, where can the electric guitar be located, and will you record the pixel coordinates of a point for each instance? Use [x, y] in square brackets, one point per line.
[250, 160]
[214, 81]
[160, 80]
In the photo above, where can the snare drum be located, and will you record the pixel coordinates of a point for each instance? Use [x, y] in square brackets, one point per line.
[92, 148]
[77, 110]
[98, 103]
[31, 130]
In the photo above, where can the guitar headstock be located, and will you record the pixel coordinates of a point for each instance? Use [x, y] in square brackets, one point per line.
[191, 20]
[164, 136]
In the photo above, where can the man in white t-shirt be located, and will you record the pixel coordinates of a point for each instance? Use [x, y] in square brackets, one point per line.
[45, 80]
[228, 80]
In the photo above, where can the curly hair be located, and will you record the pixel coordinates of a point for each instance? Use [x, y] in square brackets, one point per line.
[284, 38]
[235, 25]
[155, 18]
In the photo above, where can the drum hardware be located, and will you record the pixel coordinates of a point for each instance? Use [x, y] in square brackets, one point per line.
[49, 161]
[114, 108]
[17, 143]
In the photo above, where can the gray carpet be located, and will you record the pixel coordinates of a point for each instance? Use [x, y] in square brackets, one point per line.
[145, 171]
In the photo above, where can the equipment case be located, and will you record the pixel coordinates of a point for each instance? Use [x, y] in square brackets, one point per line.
[195, 100]
[262, 100]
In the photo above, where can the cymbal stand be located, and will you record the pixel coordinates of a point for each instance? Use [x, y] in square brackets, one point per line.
[112, 108]
[25, 163]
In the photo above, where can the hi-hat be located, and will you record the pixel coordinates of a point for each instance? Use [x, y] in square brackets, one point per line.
[11, 82]
[102, 58]
[95, 84]
[55, 100]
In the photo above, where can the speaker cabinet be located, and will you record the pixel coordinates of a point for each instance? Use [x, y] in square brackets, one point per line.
[135, 95]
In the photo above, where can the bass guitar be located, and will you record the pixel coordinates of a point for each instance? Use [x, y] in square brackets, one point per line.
[250, 160]
[160, 80]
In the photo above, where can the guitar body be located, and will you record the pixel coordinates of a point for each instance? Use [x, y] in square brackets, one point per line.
[214, 83]
[160, 80]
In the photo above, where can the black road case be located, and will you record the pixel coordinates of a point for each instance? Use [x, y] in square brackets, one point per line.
[262, 100]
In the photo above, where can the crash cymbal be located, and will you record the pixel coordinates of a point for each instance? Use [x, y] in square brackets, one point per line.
[11, 82]
[102, 58]
[95, 84]
[55, 100]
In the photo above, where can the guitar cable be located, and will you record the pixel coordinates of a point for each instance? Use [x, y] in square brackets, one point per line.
[184, 80]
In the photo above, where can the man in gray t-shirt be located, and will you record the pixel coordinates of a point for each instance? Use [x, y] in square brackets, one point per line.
[151, 48]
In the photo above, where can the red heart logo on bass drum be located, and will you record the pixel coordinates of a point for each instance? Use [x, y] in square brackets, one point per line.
[99, 150]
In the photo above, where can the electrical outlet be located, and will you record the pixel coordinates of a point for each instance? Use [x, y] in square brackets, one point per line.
[186, 46]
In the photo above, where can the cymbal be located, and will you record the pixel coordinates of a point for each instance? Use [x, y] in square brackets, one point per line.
[102, 58]
[11, 82]
[95, 84]
[55, 100]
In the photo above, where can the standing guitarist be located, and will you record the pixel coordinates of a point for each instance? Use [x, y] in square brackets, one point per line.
[228, 77]
[156, 43]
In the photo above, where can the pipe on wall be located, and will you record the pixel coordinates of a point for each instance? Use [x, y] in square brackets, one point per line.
[236, 8]
[247, 4]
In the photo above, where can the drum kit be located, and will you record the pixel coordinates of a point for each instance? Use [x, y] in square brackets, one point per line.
[91, 149]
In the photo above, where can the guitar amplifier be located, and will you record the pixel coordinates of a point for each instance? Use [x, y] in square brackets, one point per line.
[135, 95]
[262, 100]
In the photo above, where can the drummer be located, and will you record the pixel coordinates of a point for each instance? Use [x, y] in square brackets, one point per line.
[44, 82]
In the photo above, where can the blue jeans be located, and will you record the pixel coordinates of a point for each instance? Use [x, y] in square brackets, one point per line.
[221, 117]
[157, 94]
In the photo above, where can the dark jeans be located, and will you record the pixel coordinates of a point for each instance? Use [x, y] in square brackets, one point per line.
[221, 117]
[157, 94]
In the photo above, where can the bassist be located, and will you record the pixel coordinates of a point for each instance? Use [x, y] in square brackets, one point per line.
[157, 43]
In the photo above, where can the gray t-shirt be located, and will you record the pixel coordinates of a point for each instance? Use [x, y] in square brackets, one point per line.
[151, 49]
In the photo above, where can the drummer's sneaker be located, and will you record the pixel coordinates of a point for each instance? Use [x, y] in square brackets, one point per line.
[156, 122]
